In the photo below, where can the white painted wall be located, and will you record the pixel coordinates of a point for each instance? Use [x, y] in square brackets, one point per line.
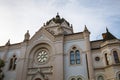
[10, 74]
[74, 70]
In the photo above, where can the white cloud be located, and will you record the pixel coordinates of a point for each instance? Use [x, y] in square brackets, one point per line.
[17, 16]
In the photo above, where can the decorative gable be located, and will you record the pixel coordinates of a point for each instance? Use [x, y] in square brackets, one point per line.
[41, 35]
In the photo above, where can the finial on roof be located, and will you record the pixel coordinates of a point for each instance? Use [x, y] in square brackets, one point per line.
[107, 29]
[86, 30]
[57, 16]
[43, 24]
[27, 36]
[108, 35]
[8, 43]
[57, 13]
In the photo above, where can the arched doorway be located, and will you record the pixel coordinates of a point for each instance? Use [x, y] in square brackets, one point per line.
[37, 79]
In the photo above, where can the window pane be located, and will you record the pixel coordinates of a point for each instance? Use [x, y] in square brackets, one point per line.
[72, 57]
[77, 54]
[116, 58]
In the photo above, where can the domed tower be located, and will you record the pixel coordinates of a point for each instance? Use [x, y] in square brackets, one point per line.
[58, 25]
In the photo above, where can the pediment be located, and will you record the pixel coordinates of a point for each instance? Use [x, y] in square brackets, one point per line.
[64, 24]
[41, 35]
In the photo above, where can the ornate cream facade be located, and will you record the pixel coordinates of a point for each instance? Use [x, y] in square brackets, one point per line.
[55, 52]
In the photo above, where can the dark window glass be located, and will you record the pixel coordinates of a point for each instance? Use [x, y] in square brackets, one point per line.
[72, 57]
[12, 65]
[116, 58]
[79, 79]
[100, 78]
[11, 62]
[118, 76]
[77, 54]
[106, 59]
[97, 58]
[73, 79]
[37, 79]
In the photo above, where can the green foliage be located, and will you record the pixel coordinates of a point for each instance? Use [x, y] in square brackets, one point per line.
[2, 64]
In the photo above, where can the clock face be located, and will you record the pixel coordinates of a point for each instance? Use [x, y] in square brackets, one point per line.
[42, 56]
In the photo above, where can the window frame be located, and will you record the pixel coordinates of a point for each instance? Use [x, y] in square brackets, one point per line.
[116, 56]
[76, 60]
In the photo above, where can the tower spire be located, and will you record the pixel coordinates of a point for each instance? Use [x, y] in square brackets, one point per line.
[107, 29]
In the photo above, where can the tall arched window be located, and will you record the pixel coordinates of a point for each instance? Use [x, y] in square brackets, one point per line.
[106, 59]
[116, 58]
[72, 57]
[12, 65]
[77, 55]
[100, 78]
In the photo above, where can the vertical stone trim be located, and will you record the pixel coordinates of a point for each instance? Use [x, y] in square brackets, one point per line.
[86, 34]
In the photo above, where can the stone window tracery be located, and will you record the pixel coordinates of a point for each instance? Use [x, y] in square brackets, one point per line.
[74, 56]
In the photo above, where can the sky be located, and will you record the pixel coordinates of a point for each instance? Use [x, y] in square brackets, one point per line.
[18, 16]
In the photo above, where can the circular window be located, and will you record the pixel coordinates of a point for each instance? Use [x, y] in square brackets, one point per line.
[97, 58]
[42, 56]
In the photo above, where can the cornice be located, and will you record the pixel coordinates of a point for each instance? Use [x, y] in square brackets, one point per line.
[74, 36]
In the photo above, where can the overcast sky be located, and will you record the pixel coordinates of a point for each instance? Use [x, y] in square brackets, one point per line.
[18, 16]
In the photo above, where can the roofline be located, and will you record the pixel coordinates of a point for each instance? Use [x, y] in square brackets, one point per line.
[73, 33]
[11, 44]
[97, 40]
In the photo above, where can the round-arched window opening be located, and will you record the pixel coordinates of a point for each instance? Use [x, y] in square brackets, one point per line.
[79, 78]
[97, 58]
[73, 79]
[100, 78]
[37, 79]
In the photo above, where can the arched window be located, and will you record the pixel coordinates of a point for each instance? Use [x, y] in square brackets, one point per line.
[77, 55]
[106, 59]
[73, 79]
[72, 57]
[79, 78]
[119, 76]
[37, 79]
[12, 65]
[116, 58]
[100, 78]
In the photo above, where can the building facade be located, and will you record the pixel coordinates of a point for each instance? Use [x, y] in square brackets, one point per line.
[55, 52]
